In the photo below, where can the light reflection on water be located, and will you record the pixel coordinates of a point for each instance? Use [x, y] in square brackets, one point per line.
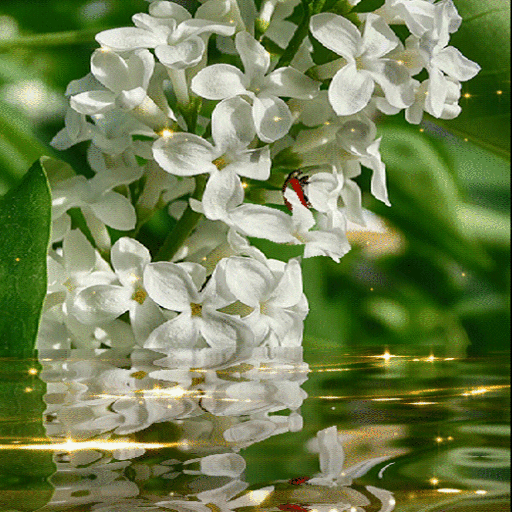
[205, 431]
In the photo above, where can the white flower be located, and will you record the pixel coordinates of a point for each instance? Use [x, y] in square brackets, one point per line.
[100, 205]
[185, 154]
[451, 108]
[445, 64]
[176, 287]
[273, 292]
[169, 29]
[352, 86]
[418, 15]
[124, 81]
[271, 115]
[104, 302]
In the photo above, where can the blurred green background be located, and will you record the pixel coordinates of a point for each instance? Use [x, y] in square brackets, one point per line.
[437, 281]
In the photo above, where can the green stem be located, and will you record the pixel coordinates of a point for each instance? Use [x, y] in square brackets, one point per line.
[184, 227]
[310, 9]
[51, 39]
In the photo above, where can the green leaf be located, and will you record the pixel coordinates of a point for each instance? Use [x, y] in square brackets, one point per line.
[18, 147]
[25, 216]
[484, 37]
[425, 199]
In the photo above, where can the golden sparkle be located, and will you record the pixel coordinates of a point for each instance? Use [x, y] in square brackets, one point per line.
[166, 133]
[33, 371]
[434, 481]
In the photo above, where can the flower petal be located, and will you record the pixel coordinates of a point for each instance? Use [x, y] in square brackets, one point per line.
[115, 211]
[101, 303]
[336, 33]
[255, 58]
[455, 65]
[263, 222]
[180, 332]
[111, 70]
[181, 55]
[170, 286]
[394, 80]
[350, 90]
[184, 154]
[378, 38]
[249, 280]
[218, 82]
[129, 258]
[92, 102]
[253, 163]
[79, 253]
[232, 124]
[272, 117]
[223, 192]
[290, 83]
[288, 292]
[128, 38]
[222, 331]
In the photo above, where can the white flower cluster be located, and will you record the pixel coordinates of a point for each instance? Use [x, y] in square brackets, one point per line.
[210, 130]
[199, 136]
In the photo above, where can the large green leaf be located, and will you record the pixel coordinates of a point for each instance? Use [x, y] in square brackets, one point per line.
[484, 37]
[425, 197]
[25, 215]
[25, 219]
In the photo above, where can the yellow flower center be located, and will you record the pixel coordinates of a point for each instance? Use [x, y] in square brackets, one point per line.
[140, 296]
[197, 309]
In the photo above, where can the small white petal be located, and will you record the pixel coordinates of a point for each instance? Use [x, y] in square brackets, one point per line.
[181, 55]
[129, 258]
[218, 82]
[170, 286]
[180, 332]
[101, 303]
[255, 58]
[249, 280]
[111, 70]
[263, 222]
[272, 117]
[93, 102]
[232, 124]
[336, 33]
[290, 83]
[115, 211]
[223, 192]
[350, 90]
[184, 154]
[455, 65]
[128, 38]
[223, 464]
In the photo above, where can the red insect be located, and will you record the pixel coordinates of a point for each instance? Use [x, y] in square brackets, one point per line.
[297, 181]
[292, 507]
[299, 481]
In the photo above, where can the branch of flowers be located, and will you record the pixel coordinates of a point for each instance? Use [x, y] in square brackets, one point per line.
[50, 39]
[184, 226]
[310, 8]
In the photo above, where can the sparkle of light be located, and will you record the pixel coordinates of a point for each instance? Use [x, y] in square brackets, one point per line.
[467, 95]
[449, 491]
[72, 446]
[258, 496]
[32, 371]
[434, 481]
[499, 93]
[481, 492]
[28, 390]
[439, 439]
[166, 133]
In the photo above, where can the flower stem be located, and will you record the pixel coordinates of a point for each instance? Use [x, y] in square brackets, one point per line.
[184, 227]
[50, 39]
[310, 8]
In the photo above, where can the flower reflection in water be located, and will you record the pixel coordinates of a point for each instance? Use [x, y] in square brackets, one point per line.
[211, 405]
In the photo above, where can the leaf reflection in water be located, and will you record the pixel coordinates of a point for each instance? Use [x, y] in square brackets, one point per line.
[211, 404]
